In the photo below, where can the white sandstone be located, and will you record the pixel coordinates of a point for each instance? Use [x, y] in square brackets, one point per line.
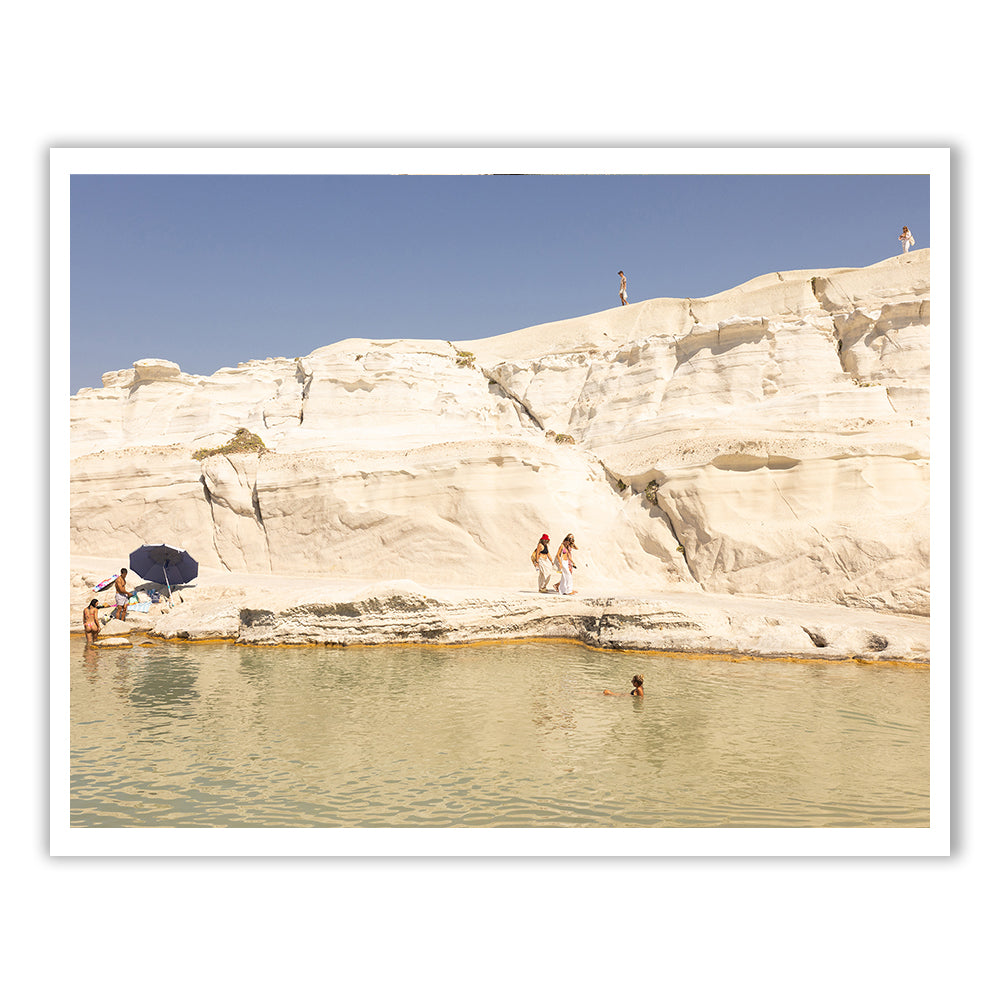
[771, 441]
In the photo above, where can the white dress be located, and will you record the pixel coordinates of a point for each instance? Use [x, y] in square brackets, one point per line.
[563, 564]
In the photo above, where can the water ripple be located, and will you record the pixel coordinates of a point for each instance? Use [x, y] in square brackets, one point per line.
[517, 736]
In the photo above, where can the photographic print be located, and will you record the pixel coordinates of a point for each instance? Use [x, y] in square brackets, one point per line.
[501, 501]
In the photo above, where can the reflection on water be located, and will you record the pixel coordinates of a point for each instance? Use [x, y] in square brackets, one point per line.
[504, 736]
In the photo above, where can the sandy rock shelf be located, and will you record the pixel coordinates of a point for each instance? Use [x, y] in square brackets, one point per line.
[268, 611]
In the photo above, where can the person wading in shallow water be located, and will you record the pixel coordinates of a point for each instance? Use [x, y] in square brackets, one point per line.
[542, 561]
[636, 691]
[91, 623]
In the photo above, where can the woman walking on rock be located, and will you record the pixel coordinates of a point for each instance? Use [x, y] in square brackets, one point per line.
[565, 565]
[542, 561]
[906, 238]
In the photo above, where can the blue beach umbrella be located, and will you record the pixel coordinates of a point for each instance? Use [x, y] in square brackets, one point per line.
[163, 564]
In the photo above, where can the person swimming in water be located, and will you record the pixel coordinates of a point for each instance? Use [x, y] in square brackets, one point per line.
[636, 691]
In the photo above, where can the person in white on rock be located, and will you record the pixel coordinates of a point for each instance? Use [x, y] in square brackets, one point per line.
[565, 565]
[906, 238]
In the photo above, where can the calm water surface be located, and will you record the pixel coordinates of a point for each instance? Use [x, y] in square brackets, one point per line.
[504, 736]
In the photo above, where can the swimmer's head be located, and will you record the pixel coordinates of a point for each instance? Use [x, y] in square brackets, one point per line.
[637, 681]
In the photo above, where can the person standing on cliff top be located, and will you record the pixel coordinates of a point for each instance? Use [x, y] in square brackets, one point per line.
[906, 238]
[621, 289]
[121, 596]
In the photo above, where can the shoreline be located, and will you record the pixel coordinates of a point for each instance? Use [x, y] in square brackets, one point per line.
[918, 664]
[297, 612]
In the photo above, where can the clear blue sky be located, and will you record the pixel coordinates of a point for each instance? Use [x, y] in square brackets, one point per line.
[212, 270]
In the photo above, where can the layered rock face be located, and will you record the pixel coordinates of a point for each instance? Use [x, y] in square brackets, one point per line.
[770, 440]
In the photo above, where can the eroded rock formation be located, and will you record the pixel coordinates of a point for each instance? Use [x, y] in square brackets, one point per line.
[770, 440]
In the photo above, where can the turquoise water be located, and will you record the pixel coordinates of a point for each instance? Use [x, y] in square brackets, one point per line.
[176, 735]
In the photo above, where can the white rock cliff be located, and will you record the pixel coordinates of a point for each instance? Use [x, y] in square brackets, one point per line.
[772, 440]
